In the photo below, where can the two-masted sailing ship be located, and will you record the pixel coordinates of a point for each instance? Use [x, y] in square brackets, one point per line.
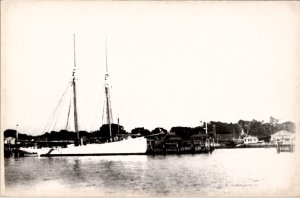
[126, 146]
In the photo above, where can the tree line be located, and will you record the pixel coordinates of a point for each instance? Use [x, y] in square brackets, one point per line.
[241, 128]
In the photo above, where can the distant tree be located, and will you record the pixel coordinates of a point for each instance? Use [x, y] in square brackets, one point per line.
[21, 136]
[241, 130]
[246, 126]
[84, 133]
[183, 132]
[46, 136]
[253, 127]
[199, 130]
[159, 130]
[54, 135]
[274, 124]
[289, 126]
[273, 121]
[140, 130]
[115, 129]
[67, 135]
[10, 133]
[95, 133]
[221, 127]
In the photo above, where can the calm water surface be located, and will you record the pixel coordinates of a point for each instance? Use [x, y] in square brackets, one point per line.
[223, 172]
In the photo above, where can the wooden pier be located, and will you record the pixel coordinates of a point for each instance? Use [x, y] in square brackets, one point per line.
[163, 144]
[172, 144]
[284, 147]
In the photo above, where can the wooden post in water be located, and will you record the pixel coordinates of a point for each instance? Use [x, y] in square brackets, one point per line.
[178, 148]
[193, 148]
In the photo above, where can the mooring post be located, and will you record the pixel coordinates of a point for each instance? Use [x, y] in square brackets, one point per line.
[178, 148]
[278, 147]
[193, 148]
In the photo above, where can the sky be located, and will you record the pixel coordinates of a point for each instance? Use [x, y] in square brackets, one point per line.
[170, 63]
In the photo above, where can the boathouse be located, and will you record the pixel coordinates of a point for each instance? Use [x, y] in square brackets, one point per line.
[283, 136]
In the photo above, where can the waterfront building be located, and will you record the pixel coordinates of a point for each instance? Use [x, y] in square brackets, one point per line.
[283, 136]
[10, 140]
[250, 139]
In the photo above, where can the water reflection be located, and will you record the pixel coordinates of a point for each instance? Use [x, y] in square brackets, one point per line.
[77, 170]
[154, 175]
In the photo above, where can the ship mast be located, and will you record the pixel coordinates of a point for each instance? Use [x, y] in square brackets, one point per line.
[74, 98]
[107, 96]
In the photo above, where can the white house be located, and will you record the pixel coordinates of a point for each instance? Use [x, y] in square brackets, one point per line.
[250, 140]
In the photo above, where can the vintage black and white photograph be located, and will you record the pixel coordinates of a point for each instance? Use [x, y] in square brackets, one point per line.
[150, 98]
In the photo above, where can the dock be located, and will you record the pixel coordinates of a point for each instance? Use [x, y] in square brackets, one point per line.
[281, 147]
[173, 144]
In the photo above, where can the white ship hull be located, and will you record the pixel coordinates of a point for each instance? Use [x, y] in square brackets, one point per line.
[131, 146]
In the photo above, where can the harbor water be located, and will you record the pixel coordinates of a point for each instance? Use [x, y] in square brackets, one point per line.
[246, 172]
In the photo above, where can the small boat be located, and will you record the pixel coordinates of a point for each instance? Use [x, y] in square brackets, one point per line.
[128, 146]
[25, 153]
[31, 151]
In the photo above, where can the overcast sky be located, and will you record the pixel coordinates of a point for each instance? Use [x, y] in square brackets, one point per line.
[170, 63]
